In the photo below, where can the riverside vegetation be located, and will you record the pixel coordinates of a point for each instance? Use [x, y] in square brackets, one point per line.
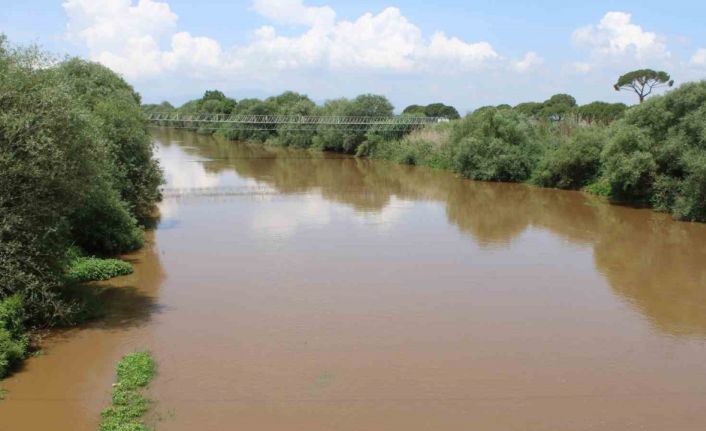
[78, 182]
[653, 154]
[134, 372]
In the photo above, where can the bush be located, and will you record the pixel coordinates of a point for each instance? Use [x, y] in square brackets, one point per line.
[13, 341]
[690, 200]
[629, 165]
[500, 146]
[104, 224]
[134, 172]
[76, 166]
[83, 269]
[574, 163]
[657, 153]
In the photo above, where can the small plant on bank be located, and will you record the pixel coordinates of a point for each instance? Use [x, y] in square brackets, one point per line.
[82, 269]
[13, 339]
[134, 372]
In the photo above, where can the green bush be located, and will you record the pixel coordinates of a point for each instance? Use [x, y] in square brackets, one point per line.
[83, 269]
[601, 187]
[657, 153]
[134, 172]
[104, 224]
[76, 166]
[629, 164]
[13, 340]
[500, 146]
[574, 163]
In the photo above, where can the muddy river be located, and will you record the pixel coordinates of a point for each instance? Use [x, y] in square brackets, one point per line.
[284, 290]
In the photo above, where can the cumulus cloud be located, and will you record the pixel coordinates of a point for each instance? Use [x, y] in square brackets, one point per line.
[699, 57]
[294, 12]
[141, 40]
[530, 61]
[616, 36]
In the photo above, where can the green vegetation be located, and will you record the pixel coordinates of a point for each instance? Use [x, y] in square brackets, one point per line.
[13, 340]
[94, 269]
[651, 154]
[76, 168]
[134, 372]
[655, 154]
[433, 110]
[643, 81]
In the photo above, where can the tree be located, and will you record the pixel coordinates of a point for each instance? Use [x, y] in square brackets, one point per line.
[416, 110]
[601, 112]
[433, 110]
[558, 106]
[643, 82]
[441, 110]
[530, 109]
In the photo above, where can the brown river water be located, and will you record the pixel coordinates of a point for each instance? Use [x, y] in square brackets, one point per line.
[287, 290]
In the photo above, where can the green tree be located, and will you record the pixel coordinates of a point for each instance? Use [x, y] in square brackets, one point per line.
[415, 110]
[601, 112]
[134, 172]
[530, 109]
[441, 110]
[643, 82]
[76, 167]
[558, 106]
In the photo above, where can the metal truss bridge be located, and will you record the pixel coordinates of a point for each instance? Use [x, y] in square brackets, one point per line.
[289, 122]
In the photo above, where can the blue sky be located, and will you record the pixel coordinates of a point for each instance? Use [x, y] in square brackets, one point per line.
[467, 53]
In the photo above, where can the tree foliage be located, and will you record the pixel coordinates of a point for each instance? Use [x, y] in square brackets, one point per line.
[433, 110]
[643, 82]
[76, 167]
[601, 112]
[497, 145]
[558, 106]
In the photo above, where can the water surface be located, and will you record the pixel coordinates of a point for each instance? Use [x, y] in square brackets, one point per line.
[285, 290]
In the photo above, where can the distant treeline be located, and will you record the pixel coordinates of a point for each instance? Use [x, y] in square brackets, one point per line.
[653, 154]
[77, 174]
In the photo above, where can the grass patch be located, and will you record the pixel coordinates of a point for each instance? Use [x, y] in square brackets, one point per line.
[83, 269]
[134, 372]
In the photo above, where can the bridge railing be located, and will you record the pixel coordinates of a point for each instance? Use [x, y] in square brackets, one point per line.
[309, 120]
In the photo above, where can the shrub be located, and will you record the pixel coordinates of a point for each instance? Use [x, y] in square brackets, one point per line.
[600, 187]
[83, 269]
[500, 146]
[76, 166]
[690, 200]
[134, 172]
[13, 341]
[574, 163]
[629, 165]
[104, 224]
[658, 152]
[49, 152]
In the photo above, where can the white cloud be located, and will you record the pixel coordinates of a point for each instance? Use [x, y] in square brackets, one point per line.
[383, 41]
[447, 52]
[580, 67]
[616, 36]
[699, 57]
[141, 40]
[530, 61]
[295, 12]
